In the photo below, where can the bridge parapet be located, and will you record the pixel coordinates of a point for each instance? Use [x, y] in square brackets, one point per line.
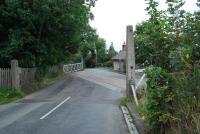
[73, 67]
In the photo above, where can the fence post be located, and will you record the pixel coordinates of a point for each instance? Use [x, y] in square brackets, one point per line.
[130, 60]
[15, 74]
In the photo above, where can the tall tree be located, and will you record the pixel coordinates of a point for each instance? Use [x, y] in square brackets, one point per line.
[42, 32]
[111, 50]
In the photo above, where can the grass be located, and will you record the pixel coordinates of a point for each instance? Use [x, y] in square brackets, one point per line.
[124, 101]
[46, 81]
[8, 95]
[141, 108]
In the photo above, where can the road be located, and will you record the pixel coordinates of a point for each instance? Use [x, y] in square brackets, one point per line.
[84, 103]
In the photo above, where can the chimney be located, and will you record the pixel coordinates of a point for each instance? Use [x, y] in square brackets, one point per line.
[124, 47]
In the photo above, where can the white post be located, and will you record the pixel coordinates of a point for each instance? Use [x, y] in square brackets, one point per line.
[130, 60]
[134, 95]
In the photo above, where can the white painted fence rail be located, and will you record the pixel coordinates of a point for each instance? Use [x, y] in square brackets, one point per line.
[134, 95]
[73, 67]
[138, 85]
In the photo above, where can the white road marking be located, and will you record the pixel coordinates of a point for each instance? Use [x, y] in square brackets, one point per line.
[43, 117]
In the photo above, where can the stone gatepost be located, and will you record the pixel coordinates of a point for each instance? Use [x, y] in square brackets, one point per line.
[130, 60]
[15, 74]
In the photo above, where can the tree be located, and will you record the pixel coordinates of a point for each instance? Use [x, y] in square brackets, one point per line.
[111, 51]
[164, 40]
[151, 38]
[101, 50]
[42, 32]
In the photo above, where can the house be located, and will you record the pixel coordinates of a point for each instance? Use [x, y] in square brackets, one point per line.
[119, 60]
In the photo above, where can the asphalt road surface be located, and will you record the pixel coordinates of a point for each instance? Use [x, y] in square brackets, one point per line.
[84, 103]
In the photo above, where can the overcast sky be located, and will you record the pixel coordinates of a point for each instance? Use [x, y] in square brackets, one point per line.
[112, 17]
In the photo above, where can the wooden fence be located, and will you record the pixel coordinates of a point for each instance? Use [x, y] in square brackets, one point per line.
[5, 77]
[16, 77]
[54, 69]
[27, 75]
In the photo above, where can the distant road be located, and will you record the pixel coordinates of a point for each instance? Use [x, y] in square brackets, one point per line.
[84, 103]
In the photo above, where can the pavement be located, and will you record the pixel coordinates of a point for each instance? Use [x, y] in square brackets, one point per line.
[84, 103]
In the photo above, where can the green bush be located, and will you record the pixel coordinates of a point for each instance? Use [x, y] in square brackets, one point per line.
[159, 97]
[173, 101]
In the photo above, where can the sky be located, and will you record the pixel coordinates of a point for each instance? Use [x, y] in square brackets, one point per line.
[112, 17]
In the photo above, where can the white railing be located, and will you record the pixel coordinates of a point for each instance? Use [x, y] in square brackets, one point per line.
[73, 67]
[136, 87]
[134, 95]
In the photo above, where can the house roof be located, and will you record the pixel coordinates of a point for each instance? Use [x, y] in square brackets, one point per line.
[120, 56]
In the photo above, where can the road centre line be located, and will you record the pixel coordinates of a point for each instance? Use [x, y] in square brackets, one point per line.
[44, 116]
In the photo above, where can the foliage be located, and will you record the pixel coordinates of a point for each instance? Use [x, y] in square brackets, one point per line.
[152, 46]
[186, 103]
[42, 32]
[158, 101]
[169, 38]
[170, 41]
[43, 81]
[101, 51]
[8, 95]
[111, 51]
[95, 52]
[41, 72]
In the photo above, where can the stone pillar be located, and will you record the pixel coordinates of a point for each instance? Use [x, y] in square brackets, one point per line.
[82, 63]
[130, 60]
[15, 74]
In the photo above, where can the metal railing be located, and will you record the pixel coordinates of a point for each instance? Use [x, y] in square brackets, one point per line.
[73, 67]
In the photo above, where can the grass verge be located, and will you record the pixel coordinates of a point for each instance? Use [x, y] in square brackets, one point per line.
[46, 81]
[9, 95]
[124, 101]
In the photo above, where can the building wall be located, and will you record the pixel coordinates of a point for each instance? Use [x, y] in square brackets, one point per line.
[119, 66]
[116, 66]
